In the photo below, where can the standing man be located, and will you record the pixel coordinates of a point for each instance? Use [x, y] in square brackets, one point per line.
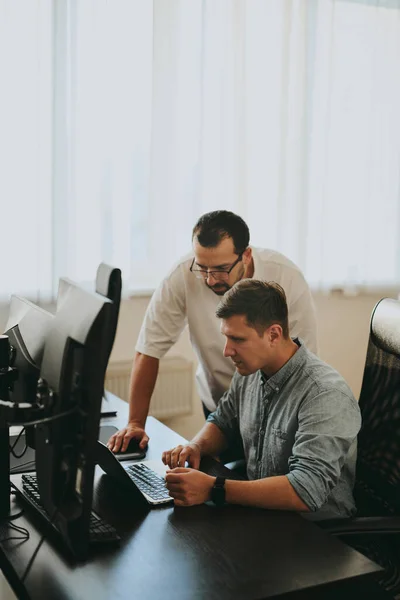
[295, 416]
[190, 295]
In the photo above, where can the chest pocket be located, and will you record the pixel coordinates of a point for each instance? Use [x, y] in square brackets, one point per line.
[280, 445]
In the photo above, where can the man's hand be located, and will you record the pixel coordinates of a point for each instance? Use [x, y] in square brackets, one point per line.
[178, 456]
[120, 440]
[188, 486]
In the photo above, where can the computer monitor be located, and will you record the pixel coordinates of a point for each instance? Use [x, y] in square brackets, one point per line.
[27, 328]
[109, 285]
[73, 366]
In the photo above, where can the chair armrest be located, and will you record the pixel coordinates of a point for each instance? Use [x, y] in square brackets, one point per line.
[362, 525]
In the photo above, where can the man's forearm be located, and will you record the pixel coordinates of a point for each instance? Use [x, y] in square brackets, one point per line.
[210, 440]
[271, 492]
[143, 379]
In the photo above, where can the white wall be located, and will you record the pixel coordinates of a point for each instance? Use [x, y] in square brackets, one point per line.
[343, 333]
[343, 323]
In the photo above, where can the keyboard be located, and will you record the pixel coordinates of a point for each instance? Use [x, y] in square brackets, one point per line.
[99, 530]
[149, 483]
[146, 486]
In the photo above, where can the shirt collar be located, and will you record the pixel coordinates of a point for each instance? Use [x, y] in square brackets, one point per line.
[279, 378]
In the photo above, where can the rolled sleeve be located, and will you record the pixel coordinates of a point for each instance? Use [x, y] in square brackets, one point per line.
[328, 426]
[165, 317]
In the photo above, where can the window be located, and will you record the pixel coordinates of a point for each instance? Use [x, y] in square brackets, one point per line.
[122, 122]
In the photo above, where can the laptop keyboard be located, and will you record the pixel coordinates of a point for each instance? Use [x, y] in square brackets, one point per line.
[99, 530]
[149, 483]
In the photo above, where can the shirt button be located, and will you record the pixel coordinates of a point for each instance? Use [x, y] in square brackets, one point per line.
[277, 389]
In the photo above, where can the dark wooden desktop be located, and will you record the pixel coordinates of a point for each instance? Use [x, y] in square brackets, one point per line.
[201, 552]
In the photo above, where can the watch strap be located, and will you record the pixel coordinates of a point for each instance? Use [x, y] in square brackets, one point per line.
[218, 491]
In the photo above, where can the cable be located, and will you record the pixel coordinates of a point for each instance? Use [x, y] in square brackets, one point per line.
[25, 533]
[51, 521]
[17, 528]
[16, 516]
[30, 563]
[14, 492]
[37, 422]
[15, 444]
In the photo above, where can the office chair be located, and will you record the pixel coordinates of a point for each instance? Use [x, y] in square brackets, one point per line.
[376, 530]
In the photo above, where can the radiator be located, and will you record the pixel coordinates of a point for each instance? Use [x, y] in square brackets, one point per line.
[172, 394]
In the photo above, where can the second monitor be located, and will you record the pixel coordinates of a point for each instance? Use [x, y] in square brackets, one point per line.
[73, 367]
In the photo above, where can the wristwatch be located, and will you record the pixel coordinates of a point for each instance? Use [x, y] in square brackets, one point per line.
[218, 491]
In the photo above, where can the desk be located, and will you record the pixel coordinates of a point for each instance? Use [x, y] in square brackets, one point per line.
[201, 552]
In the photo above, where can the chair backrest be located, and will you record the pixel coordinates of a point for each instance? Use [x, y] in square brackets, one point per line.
[377, 489]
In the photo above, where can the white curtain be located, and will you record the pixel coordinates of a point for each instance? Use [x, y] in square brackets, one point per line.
[123, 121]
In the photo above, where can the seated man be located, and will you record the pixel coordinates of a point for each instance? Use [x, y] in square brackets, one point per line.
[295, 416]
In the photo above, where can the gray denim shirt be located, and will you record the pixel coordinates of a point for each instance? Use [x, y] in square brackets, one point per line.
[302, 422]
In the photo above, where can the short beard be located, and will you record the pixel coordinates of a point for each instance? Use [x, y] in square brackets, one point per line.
[221, 292]
[225, 286]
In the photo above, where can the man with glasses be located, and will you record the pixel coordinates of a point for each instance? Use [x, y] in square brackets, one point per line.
[189, 295]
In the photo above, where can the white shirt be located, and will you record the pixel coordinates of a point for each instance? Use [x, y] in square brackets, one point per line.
[182, 299]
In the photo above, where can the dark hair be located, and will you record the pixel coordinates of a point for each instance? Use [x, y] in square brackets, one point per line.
[215, 226]
[262, 303]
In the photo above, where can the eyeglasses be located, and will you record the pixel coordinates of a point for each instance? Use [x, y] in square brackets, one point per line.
[216, 273]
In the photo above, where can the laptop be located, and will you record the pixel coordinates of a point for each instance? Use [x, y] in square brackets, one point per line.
[144, 479]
